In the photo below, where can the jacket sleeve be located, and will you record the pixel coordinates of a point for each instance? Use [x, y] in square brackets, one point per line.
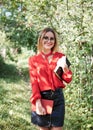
[33, 79]
[67, 77]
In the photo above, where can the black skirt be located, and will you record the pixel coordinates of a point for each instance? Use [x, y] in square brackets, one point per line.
[56, 118]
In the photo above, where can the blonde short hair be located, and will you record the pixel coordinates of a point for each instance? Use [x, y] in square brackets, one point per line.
[43, 32]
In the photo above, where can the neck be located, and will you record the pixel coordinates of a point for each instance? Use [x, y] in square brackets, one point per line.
[47, 54]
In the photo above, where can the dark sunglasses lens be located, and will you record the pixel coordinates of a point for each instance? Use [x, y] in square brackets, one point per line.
[51, 38]
[47, 38]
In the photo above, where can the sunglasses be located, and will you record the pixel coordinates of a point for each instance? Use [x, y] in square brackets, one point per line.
[47, 38]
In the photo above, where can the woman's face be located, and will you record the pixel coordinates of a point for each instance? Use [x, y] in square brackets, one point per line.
[48, 41]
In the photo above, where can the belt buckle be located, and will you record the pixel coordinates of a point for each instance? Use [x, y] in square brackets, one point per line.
[52, 93]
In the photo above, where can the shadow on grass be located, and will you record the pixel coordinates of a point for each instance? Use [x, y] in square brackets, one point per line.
[10, 72]
[15, 123]
[13, 98]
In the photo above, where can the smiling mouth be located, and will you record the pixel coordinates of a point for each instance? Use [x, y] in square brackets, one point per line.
[48, 44]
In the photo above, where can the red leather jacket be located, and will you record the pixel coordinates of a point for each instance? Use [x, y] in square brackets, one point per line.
[42, 76]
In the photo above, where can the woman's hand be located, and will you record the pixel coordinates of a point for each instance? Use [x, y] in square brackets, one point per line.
[65, 68]
[40, 110]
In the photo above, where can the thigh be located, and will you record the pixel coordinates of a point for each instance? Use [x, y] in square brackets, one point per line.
[56, 128]
[43, 128]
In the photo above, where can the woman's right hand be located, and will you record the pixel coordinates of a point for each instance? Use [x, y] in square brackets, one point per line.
[40, 110]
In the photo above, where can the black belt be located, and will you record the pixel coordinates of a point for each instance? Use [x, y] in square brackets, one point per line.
[49, 94]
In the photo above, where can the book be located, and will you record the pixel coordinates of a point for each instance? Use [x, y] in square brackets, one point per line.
[58, 70]
[47, 104]
[68, 62]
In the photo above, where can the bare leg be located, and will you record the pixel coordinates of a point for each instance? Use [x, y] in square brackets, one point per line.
[43, 128]
[56, 128]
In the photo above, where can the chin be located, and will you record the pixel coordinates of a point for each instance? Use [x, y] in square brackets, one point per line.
[49, 47]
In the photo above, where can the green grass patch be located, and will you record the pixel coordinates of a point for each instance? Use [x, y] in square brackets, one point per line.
[14, 97]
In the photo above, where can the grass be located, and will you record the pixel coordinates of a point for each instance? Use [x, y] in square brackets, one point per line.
[14, 96]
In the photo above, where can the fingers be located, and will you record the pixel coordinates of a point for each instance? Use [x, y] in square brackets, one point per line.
[66, 69]
[40, 113]
[44, 112]
[40, 110]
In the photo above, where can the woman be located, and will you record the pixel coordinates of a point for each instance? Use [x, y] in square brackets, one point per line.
[47, 83]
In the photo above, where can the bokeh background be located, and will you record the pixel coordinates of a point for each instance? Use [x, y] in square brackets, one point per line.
[20, 24]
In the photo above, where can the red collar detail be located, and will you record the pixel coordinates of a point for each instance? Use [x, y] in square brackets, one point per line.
[46, 55]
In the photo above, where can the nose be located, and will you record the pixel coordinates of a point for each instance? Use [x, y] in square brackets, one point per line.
[49, 40]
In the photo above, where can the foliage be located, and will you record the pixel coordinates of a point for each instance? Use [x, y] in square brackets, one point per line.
[16, 26]
[78, 94]
[21, 22]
